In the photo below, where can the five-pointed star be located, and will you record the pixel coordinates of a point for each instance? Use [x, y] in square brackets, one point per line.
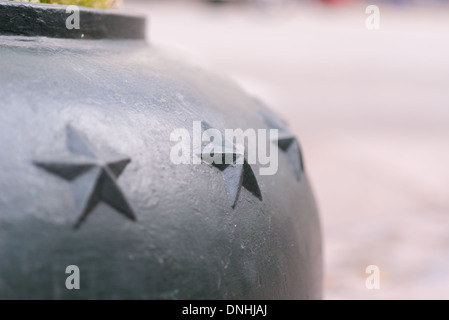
[288, 143]
[93, 177]
[236, 174]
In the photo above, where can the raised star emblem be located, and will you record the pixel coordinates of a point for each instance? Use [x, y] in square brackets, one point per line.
[236, 175]
[93, 176]
[288, 143]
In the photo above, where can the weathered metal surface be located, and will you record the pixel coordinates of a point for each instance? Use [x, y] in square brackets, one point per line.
[85, 138]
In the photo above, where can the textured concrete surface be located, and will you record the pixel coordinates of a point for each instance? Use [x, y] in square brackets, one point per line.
[371, 109]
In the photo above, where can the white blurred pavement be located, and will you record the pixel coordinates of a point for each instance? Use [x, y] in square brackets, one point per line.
[371, 109]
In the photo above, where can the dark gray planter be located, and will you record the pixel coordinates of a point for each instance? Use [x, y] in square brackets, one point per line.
[86, 177]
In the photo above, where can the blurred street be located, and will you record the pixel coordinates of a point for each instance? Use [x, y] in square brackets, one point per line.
[371, 109]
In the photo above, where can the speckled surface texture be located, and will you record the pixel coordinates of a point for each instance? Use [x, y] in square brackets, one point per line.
[19, 18]
[187, 241]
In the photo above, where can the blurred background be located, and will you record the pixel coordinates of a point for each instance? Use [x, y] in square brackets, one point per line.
[370, 107]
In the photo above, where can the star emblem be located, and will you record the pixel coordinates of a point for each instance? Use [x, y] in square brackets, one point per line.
[238, 174]
[93, 177]
[288, 143]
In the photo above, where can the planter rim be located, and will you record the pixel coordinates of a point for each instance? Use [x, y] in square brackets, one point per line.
[47, 20]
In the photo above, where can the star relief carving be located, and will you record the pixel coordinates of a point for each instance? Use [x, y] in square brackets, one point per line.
[237, 172]
[288, 143]
[93, 176]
